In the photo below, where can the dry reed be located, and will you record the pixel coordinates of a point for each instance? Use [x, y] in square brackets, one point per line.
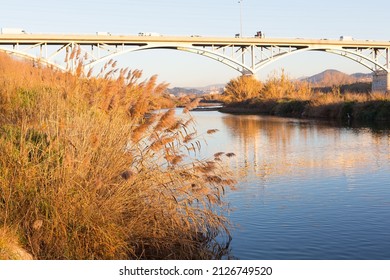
[87, 172]
[281, 96]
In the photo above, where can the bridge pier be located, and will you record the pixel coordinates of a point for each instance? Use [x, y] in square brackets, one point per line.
[381, 81]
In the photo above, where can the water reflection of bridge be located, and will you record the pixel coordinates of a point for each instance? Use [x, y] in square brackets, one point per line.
[269, 146]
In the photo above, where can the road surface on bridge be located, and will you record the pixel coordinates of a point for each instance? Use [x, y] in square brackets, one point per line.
[55, 39]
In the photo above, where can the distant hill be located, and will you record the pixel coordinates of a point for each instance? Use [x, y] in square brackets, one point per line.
[332, 77]
[216, 87]
[177, 91]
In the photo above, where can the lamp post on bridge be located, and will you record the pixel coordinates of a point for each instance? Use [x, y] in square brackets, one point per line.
[240, 2]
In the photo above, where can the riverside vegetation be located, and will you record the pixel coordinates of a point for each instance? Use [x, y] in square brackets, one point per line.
[88, 169]
[282, 97]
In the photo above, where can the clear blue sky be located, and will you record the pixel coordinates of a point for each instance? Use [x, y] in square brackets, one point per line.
[282, 19]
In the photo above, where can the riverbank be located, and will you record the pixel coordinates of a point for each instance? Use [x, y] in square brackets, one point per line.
[280, 96]
[365, 111]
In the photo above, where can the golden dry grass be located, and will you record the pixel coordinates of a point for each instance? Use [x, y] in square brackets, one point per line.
[245, 88]
[280, 86]
[281, 96]
[242, 88]
[10, 248]
[87, 172]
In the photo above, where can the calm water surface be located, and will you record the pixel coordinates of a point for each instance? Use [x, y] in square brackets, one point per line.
[307, 190]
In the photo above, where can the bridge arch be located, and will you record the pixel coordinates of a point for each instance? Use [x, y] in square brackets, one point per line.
[352, 55]
[34, 58]
[232, 62]
[240, 66]
[229, 61]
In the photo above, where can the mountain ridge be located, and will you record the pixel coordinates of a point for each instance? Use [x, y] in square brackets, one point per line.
[332, 77]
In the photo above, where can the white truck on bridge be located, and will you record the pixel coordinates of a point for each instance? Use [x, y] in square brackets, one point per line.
[149, 34]
[346, 38]
[7, 30]
[103, 33]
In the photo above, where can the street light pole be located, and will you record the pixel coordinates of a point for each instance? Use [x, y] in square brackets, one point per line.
[240, 1]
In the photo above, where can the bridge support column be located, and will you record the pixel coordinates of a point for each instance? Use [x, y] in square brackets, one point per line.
[247, 73]
[381, 81]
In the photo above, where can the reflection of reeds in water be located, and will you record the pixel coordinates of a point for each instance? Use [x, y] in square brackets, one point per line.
[103, 178]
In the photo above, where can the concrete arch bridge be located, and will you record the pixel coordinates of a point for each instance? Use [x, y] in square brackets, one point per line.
[246, 55]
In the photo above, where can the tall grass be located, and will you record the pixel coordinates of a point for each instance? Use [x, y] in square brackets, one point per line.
[242, 88]
[281, 96]
[282, 87]
[88, 172]
[246, 88]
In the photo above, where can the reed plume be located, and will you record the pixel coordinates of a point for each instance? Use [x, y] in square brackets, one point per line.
[89, 170]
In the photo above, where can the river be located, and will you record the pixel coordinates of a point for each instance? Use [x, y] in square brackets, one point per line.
[306, 189]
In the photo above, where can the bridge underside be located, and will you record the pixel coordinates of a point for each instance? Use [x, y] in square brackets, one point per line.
[247, 58]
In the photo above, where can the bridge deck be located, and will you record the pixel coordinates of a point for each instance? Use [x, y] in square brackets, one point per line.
[55, 39]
